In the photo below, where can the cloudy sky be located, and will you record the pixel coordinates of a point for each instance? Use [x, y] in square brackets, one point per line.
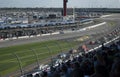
[59, 3]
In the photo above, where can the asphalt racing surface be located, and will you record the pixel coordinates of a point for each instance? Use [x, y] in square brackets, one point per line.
[100, 29]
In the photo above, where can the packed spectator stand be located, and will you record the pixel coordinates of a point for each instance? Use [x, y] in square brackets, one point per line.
[101, 62]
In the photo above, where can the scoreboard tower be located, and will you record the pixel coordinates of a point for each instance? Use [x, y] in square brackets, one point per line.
[65, 7]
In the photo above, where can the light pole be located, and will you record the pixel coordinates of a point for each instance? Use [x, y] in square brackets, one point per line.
[36, 56]
[20, 63]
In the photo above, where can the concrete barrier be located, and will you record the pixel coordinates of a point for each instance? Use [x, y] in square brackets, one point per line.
[94, 26]
[103, 16]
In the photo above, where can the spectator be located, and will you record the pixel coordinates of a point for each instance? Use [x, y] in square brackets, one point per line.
[100, 71]
[87, 67]
[45, 74]
[115, 71]
[64, 72]
[77, 72]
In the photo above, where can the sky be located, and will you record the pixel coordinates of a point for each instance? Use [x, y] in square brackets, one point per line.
[59, 3]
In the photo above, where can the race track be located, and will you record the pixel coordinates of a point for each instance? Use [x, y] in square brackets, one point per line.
[97, 30]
